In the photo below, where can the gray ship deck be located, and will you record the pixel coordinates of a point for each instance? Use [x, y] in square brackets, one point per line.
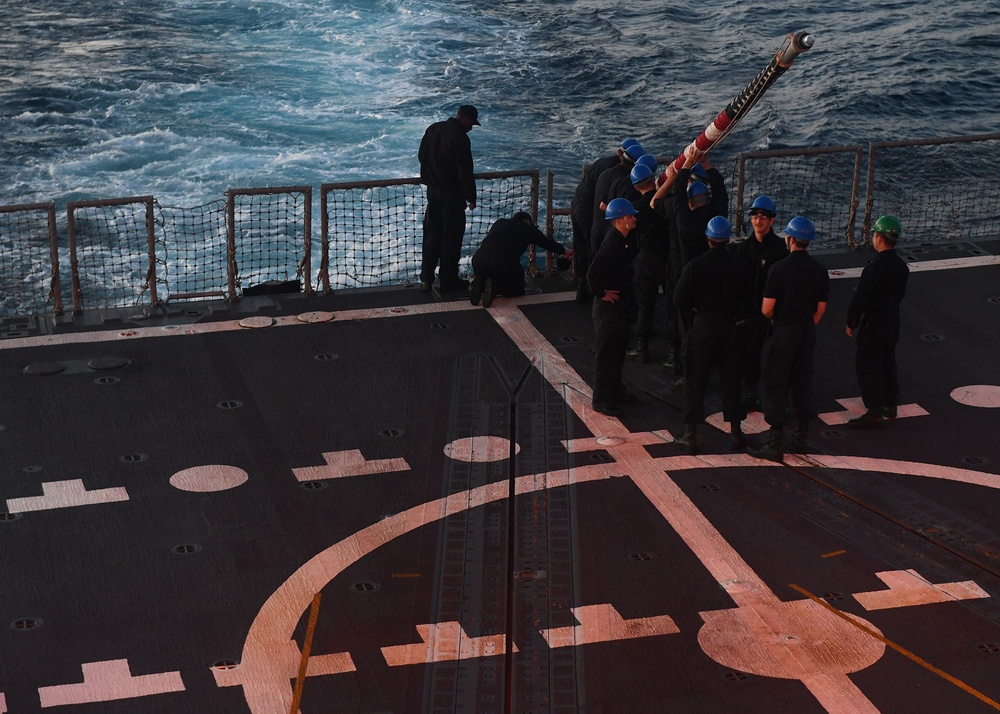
[180, 487]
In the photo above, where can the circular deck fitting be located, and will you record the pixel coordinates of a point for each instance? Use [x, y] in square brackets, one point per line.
[975, 460]
[735, 676]
[932, 338]
[610, 440]
[986, 396]
[107, 379]
[326, 357]
[26, 624]
[230, 404]
[993, 300]
[392, 433]
[103, 363]
[315, 316]
[601, 456]
[710, 487]
[225, 664]
[398, 310]
[7, 517]
[44, 369]
[32, 469]
[988, 647]
[170, 328]
[257, 322]
[832, 434]
[128, 333]
[132, 458]
[440, 325]
[642, 557]
[192, 313]
[480, 449]
[185, 549]
[366, 586]
[313, 485]
[209, 479]
[569, 338]
[833, 597]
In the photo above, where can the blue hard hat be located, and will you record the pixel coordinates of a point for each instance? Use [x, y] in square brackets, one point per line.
[718, 229]
[650, 161]
[697, 189]
[801, 228]
[764, 203]
[698, 171]
[618, 208]
[628, 142]
[640, 173]
[635, 151]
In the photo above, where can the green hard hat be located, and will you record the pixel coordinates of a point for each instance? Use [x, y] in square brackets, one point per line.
[888, 224]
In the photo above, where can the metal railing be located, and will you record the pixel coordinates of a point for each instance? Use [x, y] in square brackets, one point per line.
[133, 251]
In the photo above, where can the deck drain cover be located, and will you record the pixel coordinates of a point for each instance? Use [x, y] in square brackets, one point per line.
[108, 363]
[312, 485]
[132, 458]
[365, 586]
[641, 557]
[230, 404]
[185, 549]
[107, 379]
[44, 368]
[392, 432]
[326, 357]
[24, 624]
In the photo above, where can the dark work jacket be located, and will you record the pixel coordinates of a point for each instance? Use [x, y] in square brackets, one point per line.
[599, 226]
[759, 257]
[446, 160]
[651, 234]
[611, 268]
[582, 205]
[507, 240]
[798, 283]
[715, 285]
[874, 309]
[691, 224]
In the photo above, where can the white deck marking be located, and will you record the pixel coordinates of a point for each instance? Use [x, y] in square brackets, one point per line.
[922, 266]
[793, 640]
[444, 642]
[65, 494]
[908, 588]
[603, 623]
[986, 396]
[343, 464]
[109, 681]
[480, 449]
[855, 407]
[209, 478]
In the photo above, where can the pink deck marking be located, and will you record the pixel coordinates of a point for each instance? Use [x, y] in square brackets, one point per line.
[109, 681]
[907, 588]
[444, 642]
[287, 658]
[342, 464]
[480, 449]
[753, 424]
[854, 407]
[986, 396]
[3, 703]
[603, 623]
[65, 494]
[209, 478]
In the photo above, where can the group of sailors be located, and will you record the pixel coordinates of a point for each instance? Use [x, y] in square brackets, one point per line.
[747, 309]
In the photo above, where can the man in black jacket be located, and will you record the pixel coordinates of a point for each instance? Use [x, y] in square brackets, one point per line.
[762, 249]
[497, 262]
[446, 169]
[874, 315]
[610, 279]
[714, 287]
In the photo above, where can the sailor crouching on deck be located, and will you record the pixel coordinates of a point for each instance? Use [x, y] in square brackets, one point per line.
[610, 280]
[714, 286]
[795, 298]
[497, 263]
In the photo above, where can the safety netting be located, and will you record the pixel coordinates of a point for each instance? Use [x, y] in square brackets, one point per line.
[372, 231]
[195, 253]
[270, 237]
[29, 268]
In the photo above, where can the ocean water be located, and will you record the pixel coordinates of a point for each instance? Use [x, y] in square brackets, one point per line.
[184, 99]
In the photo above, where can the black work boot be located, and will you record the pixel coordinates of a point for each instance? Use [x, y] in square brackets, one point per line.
[639, 352]
[871, 419]
[800, 439]
[774, 449]
[737, 442]
[689, 439]
[671, 361]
